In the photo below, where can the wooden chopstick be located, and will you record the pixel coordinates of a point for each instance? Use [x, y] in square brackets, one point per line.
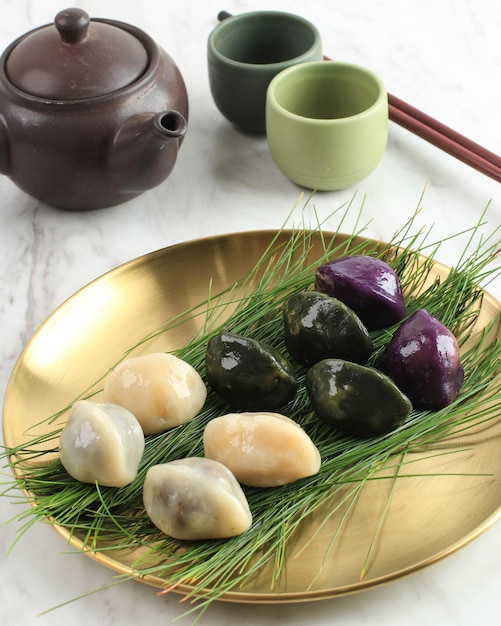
[444, 138]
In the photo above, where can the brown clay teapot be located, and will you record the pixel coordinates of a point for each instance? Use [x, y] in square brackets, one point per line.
[92, 112]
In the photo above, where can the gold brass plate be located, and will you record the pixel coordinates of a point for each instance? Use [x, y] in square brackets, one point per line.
[429, 517]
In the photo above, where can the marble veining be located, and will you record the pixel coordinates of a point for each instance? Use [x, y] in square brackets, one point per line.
[444, 58]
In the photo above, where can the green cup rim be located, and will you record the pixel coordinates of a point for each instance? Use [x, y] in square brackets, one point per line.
[226, 23]
[326, 66]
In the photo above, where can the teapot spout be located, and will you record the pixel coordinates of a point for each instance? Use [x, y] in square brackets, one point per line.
[170, 124]
[144, 150]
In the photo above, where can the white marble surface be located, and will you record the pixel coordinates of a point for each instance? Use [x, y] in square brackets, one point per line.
[443, 57]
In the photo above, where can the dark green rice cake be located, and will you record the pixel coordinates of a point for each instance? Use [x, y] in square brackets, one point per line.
[249, 374]
[355, 399]
[318, 326]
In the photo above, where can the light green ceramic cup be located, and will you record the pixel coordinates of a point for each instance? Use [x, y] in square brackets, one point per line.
[326, 123]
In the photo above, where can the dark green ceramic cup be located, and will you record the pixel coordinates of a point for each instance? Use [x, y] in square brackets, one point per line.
[246, 51]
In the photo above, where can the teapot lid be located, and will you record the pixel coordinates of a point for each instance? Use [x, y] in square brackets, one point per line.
[76, 58]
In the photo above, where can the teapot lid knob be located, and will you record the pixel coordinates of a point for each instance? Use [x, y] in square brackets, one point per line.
[72, 25]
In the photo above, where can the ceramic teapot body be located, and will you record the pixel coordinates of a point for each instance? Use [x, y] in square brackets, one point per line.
[88, 141]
